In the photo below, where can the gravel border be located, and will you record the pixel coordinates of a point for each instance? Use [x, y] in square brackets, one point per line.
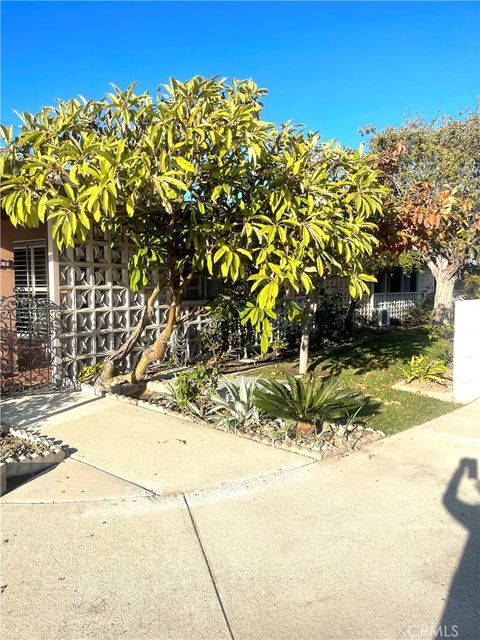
[33, 463]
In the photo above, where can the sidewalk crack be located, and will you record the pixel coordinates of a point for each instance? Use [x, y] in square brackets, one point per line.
[209, 568]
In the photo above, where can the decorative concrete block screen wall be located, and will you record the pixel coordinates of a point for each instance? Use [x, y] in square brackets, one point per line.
[466, 351]
[100, 309]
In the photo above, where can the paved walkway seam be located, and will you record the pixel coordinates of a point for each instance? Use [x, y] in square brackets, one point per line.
[212, 577]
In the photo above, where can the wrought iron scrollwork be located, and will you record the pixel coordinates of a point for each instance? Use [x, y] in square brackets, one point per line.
[31, 330]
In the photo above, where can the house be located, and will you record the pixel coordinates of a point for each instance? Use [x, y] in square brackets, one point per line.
[390, 298]
[394, 294]
[90, 283]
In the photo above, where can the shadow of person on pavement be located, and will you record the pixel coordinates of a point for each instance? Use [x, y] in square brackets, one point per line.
[461, 616]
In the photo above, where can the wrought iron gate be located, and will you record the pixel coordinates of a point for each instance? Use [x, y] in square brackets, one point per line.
[31, 347]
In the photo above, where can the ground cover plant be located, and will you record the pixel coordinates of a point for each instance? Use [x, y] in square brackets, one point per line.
[372, 367]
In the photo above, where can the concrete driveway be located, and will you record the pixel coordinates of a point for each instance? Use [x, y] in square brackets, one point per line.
[232, 539]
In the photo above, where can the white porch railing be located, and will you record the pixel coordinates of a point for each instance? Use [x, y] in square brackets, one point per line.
[397, 304]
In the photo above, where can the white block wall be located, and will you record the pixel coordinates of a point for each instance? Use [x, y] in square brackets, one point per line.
[466, 351]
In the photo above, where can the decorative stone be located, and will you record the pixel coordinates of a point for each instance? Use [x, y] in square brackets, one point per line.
[335, 440]
[328, 454]
[28, 464]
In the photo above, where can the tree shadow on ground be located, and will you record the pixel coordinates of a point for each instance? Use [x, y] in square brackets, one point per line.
[379, 353]
[370, 409]
[27, 410]
[461, 615]
[18, 481]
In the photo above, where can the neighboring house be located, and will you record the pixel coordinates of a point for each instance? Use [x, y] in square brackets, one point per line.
[90, 283]
[395, 293]
[391, 296]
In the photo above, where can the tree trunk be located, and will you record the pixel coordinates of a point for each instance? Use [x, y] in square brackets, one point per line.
[158, 348]
[443, 303]
[115, 358]
[309, 314]
[445, 275]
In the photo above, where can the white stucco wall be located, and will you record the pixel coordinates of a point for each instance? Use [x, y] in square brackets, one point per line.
[466, 351]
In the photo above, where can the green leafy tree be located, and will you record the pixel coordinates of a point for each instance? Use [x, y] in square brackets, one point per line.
[434, 206]
[170, 175]
[318, 219]
[198, 184]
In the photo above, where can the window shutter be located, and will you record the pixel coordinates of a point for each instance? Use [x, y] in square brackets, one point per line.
[30, 267]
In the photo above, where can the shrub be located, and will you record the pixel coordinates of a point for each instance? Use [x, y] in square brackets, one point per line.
[174, 399]
[472, 287]
[308, 402]
[329, 316]
[420, 313]
[278, 346]
[189, 386]
[424, 370]
[191, 390]
[224, 331]
[292, 336]
[236, 409]
[90, 371]
[443, 333]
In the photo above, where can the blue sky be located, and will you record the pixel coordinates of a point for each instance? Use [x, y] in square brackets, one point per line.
[332, 66]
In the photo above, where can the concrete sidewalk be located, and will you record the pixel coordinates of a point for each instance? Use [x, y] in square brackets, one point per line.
[381, 545]
[164, 454]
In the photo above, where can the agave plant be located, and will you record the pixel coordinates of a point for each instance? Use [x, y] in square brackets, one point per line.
[308, 401]
[236, 409]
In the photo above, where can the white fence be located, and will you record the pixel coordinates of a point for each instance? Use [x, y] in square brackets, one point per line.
[397, 304]
[466, 351]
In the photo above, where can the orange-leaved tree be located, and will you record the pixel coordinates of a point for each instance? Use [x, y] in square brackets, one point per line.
[433, 170]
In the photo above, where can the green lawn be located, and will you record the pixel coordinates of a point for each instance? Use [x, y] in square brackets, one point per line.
[373, 367]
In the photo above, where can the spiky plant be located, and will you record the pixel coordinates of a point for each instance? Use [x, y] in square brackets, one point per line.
[425, 370]
[236, 409]
[307, 401]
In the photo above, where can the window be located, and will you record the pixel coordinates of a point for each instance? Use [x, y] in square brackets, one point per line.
[202, 288]
[30, 267]
[395, 280]
[195, 290]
